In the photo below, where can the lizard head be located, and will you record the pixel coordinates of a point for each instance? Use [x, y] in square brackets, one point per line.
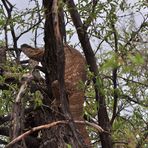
[33, 53]
[25, 46]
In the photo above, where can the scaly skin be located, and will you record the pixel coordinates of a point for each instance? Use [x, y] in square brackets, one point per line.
[74, 73]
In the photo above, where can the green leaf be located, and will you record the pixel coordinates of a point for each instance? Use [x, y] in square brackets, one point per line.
[137, 59]
[68, 146]
[38, 99]
[110, 62]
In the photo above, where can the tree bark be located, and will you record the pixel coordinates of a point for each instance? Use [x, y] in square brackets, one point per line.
[54, 62]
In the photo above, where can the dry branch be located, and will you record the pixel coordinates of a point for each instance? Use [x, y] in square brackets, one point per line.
[47, 126]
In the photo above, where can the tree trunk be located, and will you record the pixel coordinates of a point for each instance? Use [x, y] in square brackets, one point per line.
[54, 62]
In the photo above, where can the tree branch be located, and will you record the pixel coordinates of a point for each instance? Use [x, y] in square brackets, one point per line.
[50, 125]
[61, 70]
[9, 7]
[114, 73]
[18, 108]
[88, 21]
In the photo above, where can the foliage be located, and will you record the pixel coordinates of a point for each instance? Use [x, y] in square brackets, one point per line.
[120, 46]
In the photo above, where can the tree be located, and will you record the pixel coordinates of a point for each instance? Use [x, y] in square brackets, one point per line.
[115, 47]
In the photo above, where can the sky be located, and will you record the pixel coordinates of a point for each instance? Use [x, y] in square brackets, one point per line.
[26, 38]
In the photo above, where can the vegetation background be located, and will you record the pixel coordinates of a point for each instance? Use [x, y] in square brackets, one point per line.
[115, 33]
